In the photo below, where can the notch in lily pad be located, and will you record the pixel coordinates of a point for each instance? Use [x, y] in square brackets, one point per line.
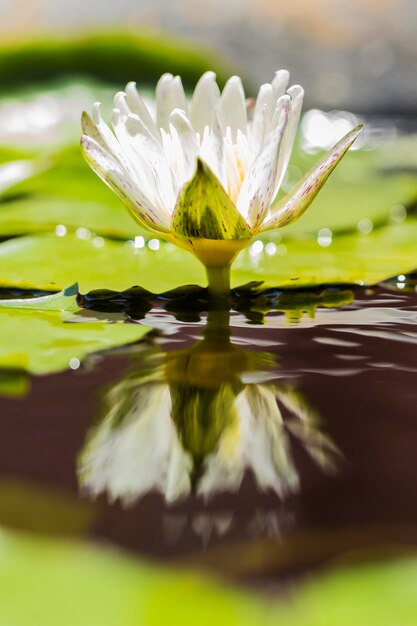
[65, 300]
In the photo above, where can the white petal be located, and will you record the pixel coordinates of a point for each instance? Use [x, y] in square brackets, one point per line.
[188, 142]
[204, 102]
[110, 141]
[146, 151]
[111, 172]
[280, 83]
[232, 108]
[261, 117]
[212, 150]
[297, 95]
[258, 186]
[169, 96]
[137, 106]
[149, 153]
[130, 159]
[233, 178]
[120, 103]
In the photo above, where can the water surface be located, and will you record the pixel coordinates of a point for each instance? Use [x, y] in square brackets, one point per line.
[125, 450]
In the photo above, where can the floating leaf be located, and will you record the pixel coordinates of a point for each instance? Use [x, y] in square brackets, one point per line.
[366, 259]
[67, 583]
[41, 214]
[342, 204]
[113, 57]
[349, 259]
[112, 265]
[42, 342]
[65, 300]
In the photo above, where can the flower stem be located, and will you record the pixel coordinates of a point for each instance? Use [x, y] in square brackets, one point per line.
[218, 281]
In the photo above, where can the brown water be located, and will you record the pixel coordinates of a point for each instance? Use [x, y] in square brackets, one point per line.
[344, 486]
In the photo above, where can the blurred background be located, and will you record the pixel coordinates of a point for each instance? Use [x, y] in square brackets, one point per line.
[359, 55]
[356, 60]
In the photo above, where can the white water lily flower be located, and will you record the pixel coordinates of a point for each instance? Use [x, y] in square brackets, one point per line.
[204, 173]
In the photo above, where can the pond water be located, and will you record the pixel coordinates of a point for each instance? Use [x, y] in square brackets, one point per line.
[259, 447]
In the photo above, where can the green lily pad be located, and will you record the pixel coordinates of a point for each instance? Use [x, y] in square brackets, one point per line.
[67, 583]
[43, 214]
[43, 342]
[112, 57]
[65, 300]
[349, 259]
[341, 205]
[26, 261]
[50, 262]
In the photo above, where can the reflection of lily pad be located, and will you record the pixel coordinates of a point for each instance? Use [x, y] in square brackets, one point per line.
[50, 262]
[101, 587]
[42, 509]
[13, 383]
[42, 342]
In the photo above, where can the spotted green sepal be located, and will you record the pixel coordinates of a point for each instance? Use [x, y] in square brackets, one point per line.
[205, 211]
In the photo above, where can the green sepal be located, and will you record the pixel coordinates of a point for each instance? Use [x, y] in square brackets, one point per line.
[205, 211]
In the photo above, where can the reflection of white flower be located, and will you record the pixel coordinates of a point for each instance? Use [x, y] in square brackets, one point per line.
[256, 440]
[136, 448]
[208, 169]
[140, 454]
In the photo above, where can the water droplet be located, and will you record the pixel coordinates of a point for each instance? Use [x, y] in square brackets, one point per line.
[324, 237]
[98, 242]
[82, 233]
[154, 244]
[282, 249]
[74, 363]
[398, 213]
[60, 230]
[270, 248]
[139, 242]
[256, 249]
[365, 226]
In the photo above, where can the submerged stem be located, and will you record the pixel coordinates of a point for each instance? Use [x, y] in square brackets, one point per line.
[218, 281]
